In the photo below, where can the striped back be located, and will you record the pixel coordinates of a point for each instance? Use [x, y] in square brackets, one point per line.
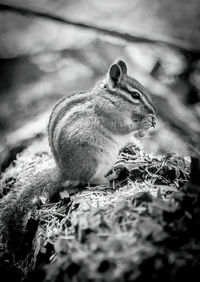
[59, 111]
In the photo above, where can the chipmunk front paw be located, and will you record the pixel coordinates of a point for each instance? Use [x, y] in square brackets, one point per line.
[145, 124]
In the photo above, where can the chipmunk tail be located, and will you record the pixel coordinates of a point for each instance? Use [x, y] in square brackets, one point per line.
[19, 210]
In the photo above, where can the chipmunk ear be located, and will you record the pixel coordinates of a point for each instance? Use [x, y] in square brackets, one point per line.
[115, 74]
[123, 66]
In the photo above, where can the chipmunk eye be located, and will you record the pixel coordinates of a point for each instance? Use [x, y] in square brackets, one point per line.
[135, 95]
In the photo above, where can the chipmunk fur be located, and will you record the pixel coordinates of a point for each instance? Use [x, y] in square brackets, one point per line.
[86, 131]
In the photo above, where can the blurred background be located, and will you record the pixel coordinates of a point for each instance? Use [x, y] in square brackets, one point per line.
[49, 49]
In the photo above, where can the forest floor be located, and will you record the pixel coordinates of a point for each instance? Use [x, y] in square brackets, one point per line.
[140, 226]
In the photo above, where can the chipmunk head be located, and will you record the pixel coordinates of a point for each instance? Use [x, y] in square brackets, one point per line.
[128, 91]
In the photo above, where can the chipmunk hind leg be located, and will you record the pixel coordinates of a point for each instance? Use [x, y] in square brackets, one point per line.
[78, 167]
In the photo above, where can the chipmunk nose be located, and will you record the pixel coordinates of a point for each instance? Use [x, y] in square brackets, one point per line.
[149, 107]
[151, 110]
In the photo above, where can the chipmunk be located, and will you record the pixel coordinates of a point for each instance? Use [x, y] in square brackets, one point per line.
[86, 131]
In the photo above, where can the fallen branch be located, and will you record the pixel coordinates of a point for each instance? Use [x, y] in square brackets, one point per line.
[171, 42]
